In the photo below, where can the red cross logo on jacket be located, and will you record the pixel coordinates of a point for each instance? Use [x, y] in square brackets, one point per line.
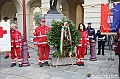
[2, 32]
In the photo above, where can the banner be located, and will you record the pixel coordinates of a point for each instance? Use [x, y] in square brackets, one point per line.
[5, 43]
[110, 17]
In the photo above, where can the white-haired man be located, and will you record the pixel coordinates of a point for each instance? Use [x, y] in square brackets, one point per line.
[16, 42]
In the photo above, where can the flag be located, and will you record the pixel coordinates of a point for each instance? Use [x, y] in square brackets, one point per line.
[104, 18]
[116, 18]
[110, 17]
[5, 42]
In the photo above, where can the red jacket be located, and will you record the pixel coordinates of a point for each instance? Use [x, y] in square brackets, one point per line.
[40, 35]
[16, 40]
[84, 41]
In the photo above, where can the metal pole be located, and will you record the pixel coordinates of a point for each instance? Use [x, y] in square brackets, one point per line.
[0, 62]
[24, 47]
[93, 51]
[111, 59]
[119, 66]
[24, 20]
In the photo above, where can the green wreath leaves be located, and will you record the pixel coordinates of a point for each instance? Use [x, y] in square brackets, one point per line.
[55, 34]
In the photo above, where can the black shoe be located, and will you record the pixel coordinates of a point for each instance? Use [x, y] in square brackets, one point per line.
[46, 63]
[13, 64]
[79, 64]
[20, 65]
[82, 64]
[103, 54]
[98, 54]
[41, 65]
[6, 57]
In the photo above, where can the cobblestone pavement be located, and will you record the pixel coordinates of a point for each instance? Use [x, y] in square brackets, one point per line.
[102, 68]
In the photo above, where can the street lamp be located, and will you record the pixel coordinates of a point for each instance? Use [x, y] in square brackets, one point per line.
[24, 46]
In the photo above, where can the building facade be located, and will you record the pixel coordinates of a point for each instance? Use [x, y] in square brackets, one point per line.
[75, 10]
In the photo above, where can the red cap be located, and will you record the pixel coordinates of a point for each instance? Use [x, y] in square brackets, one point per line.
[43, 20]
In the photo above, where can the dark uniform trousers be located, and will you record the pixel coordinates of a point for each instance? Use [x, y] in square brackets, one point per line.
[101, 44]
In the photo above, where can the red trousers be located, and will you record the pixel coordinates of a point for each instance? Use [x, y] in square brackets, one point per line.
[13, 56]
[81, 50]
[43, 53]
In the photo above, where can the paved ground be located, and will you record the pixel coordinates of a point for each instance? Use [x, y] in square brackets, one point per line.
[102, 68]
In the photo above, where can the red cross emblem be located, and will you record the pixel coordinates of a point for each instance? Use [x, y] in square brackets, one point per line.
[2, 32]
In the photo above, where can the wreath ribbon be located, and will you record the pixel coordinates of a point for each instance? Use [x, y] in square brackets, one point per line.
[65, 32]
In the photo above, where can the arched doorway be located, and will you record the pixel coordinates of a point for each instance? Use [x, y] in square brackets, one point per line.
[73, 10]
[65, 8]
[33, 5]
[79, 15]
[8, 10]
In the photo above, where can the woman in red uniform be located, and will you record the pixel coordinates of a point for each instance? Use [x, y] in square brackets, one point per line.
[81, 47]
[16, 43]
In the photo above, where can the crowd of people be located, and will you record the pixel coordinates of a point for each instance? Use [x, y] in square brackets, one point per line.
[88, 36]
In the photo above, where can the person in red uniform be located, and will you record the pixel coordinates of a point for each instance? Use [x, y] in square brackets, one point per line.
[16, 43]
[6, 19]
[40, 40]
[84, 42]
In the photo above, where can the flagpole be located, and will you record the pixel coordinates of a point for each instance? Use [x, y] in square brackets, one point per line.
[0, 62]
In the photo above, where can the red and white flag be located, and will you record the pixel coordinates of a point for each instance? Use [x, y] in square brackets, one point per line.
[5, 42]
